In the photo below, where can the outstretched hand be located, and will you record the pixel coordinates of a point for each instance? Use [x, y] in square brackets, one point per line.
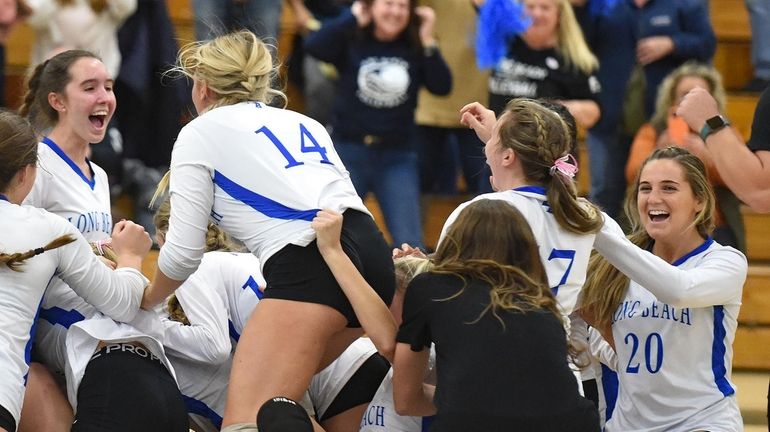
[328, 227]
[479, 118]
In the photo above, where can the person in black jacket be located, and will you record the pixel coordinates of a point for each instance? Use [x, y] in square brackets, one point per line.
[384, 52]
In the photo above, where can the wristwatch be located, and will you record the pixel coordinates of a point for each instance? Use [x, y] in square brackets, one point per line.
[712, 125]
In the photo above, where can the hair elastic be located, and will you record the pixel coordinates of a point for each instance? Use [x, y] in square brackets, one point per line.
[100, 244]
[566, 165]
[38, 251]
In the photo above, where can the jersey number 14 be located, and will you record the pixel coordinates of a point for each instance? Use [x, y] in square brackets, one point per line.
[308, 144]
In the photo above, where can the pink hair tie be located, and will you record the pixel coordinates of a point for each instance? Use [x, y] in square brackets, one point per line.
[100, 244]
[566, 165]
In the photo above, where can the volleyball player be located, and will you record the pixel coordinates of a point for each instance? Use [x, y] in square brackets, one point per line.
[261, 173]
[672, 313]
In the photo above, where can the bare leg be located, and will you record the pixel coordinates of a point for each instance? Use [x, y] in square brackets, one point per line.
[281, 348]
[45, 406]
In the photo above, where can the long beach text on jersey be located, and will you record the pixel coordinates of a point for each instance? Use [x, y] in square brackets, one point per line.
[656, 310]
[92, 222]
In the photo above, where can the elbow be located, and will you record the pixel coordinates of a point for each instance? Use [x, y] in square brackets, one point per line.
[402, 406]
[219, 354]
[387, 349]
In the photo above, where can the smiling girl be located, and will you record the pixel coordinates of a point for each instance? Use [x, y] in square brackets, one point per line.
[70, 96]
[672, 312]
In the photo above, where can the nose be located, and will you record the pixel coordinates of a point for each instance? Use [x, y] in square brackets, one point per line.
[654, 195]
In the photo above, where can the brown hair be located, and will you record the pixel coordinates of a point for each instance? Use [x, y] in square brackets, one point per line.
[605, 287]
[97, 6]
[18, 146]
[411, 33]
[51, 76]
[491, 241]
[14, 261]
[539, 136]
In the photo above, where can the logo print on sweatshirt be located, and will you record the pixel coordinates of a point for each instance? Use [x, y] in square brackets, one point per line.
[383, 82]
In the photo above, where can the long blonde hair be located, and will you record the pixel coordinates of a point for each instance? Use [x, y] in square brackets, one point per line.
[237, 67]
[606, 287]
[571, 42]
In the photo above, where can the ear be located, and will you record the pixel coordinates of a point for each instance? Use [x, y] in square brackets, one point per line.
[56, 101]
[508, 156]
[699, 206]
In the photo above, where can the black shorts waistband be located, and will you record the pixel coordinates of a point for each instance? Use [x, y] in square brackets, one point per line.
[125, 347]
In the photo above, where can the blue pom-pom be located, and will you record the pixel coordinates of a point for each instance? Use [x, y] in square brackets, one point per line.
[499, 21]
[601, 7]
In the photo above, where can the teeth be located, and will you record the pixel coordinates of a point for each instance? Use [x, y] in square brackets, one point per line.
[658, 212]
[99, 113]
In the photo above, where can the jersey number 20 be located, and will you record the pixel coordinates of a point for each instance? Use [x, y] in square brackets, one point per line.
[653, 342]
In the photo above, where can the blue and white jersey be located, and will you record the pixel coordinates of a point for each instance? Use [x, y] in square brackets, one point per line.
[118, 292]
[259, 173]
[564, 254]
[673, 335]
[217, 299]
[381, 416]
[61, 308]
[63, 189]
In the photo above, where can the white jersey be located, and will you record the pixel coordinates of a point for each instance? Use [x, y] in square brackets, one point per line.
[673, 336]
[61, 307]
[83, 338]
[260, 173]
[564, 254]
[381, 416]
[118, 293]
[217, 299]
[62, 188]
[326, 385]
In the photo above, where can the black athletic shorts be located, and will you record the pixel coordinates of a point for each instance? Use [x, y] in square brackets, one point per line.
[300, 273]
[360, 388]
[127, 389]
[7, 421]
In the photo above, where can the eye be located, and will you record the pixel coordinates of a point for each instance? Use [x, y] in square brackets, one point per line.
[670, 188]
[644, 188]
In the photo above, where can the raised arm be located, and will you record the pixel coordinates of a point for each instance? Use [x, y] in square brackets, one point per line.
[717, 280]
[479, 118]
[745, 172]
[375, 317]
